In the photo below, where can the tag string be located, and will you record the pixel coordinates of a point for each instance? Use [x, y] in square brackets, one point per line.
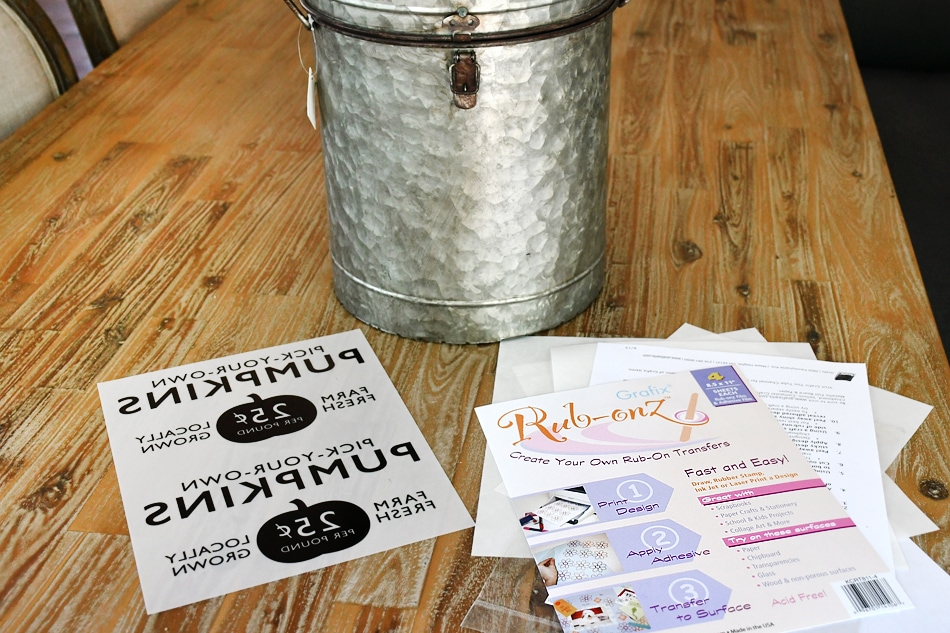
[312, 29]
[299, 51]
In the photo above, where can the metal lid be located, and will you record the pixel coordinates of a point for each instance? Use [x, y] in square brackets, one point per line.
[453, 23]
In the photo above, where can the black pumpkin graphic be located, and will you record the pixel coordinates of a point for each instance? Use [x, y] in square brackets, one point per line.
[309, 531]
[260, 419]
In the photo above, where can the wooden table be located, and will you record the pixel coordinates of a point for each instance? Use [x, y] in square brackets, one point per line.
[170, 208]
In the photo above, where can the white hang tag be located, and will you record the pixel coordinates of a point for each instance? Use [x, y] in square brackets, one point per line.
[311, 97]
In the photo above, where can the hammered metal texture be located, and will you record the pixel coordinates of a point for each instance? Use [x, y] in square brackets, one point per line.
[466, 226]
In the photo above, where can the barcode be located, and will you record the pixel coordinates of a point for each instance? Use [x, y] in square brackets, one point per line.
[870, 594]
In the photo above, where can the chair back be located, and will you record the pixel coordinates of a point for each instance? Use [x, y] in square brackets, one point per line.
[35, 67]
[128, 18]
[105, 25]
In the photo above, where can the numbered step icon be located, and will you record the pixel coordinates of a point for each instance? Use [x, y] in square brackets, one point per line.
[660, 538]
[635, 490]
[261, 419]
[310, 531]
[634, 495]
[688, 597]
[688, 590]
[656, 544]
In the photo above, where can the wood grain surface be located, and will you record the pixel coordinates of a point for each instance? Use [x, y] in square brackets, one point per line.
[170, 208]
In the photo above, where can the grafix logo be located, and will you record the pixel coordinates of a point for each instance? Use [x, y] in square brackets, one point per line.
[625, 394]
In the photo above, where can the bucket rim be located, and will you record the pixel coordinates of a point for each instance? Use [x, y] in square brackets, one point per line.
[444, 34]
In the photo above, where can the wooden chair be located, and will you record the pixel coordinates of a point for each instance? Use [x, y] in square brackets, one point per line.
[35, 66]
[105, 25]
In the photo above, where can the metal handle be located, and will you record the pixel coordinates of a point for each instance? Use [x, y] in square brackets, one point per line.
[301, 15]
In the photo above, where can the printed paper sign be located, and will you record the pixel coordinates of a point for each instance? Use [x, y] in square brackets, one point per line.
[700, 512]
[251, 468]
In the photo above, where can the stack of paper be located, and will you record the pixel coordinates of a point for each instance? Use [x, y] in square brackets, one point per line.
[606, 568]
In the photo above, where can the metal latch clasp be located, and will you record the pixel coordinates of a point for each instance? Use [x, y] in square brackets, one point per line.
[464, 77]
[460, 24]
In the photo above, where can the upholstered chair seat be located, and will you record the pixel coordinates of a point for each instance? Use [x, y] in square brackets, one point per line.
[31, 75]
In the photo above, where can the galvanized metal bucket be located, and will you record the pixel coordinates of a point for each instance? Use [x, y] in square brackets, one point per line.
[466, 156]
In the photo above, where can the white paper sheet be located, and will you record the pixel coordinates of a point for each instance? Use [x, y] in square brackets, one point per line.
[571, 365]
[259, 466]
[896, 419]
[906, 518]
[689, 332]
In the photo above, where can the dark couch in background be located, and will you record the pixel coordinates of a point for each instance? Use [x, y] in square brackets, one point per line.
[903, 50]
